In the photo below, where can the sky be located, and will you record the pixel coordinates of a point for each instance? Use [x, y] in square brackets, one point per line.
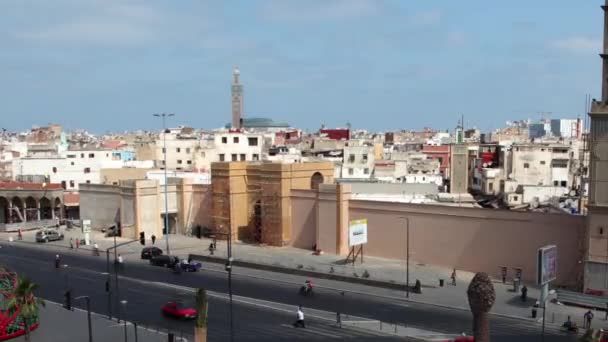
[108, 65]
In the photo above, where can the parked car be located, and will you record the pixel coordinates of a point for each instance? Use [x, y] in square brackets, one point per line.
[164, 261]
[178, 310]
[46, 235]
[150, 252]
[190, 266]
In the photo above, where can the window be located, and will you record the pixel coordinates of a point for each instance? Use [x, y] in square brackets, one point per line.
[490, 186]
[364, 158]
[107, 154]
[515, 198]
[242, 156]
[72, 163]
[351, 171]
[366, 171]
[526, 166]
[235, 140]
[187, 149]
[555, 183]
[88, 182]
[179, 161]
[164, 151]
[351, 158]
[178, 150]
[82, 155]
[114, 183]
[559, 163]
[255, 156]
[224, 140]
[189, 162]
[71, 156]
[91, 155]
[203, 154]
[87, 170]
[63, 185]
[252, 141]
[162, 162]
[178, 168]
[564, 183]
[71, 184]
[222, 158]
[234, 157]
[54, 169]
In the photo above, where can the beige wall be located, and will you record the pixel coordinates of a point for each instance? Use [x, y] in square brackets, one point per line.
[303, 218]
[114, 176]
[472, 239]
[100, 204]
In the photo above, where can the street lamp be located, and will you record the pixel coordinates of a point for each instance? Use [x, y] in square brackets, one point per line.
[407, 257]
[164, 116]
[124, 316]
[88, 302]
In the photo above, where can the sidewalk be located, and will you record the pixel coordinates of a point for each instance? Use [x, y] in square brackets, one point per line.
[59, 325]
[386, 271]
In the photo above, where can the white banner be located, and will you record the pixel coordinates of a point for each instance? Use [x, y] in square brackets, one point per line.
[357, 232]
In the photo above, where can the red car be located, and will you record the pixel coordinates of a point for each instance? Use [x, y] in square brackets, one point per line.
[177, 310]
[463, 339]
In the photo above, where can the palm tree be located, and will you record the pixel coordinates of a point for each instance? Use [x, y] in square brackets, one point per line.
[590, 336]
[200, 330]
[481, 298]
[25, 303]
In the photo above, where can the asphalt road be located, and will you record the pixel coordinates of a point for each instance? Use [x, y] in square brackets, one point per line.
[144, 300]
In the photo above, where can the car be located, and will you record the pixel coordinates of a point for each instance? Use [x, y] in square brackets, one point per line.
[164, 261]
[46, 235]
[178, 310]
[150, 252]
[190, 266]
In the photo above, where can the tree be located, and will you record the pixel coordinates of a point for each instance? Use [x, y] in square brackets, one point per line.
[25, 303]
[590, 336]
[200, 330]
[481, 299]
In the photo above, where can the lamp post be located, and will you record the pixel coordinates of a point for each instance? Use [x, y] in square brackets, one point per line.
[88, 302]
[407, 256]
[164, 116]
[124, 316]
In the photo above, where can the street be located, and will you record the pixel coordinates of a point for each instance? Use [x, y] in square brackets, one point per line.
[146, 288]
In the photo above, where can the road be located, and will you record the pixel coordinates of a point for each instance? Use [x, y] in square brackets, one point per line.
[145, 291]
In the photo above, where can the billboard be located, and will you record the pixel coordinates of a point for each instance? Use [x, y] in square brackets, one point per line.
[546, 264]
[357, 232]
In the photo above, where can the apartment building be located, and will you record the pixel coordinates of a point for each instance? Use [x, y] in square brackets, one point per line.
[238, 146]
[358, 162]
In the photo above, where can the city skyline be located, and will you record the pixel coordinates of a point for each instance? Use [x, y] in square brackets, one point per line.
[378, 65]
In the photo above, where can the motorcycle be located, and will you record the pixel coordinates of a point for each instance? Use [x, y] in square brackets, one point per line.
[569, 328]
[306, 291]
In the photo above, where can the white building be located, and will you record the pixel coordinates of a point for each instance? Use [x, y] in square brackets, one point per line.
[565, 128]
[180, 150]
[238, 146]
[358, 162]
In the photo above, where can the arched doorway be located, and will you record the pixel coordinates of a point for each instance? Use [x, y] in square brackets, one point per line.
[57, 208]
[315, 180]
[16, 215]
[4, 210]
[46, 211]
[31, 209]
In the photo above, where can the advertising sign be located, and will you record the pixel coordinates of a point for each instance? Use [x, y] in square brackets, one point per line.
[86, 226]
[357, 232]
[546, 267]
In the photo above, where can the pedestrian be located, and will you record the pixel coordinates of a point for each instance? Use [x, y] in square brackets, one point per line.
[588, 318]
[77, 243]
[95, 250]
[524, 293]
[300, 318]
[153, 237]
[57, 260]
[606, 318]
[19, 235]
[71, 243]
[453, 277]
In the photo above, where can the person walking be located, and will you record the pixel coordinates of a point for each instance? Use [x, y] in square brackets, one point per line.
[77, 243]
[453, 277]
[524, 293]
[57, 260]
[300, 319]
[588, 318]
[19, 234]
[96, 250]
[71, 243]
[153, 237]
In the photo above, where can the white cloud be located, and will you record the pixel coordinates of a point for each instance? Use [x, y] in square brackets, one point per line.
[328, 9]
[578, 44]
[427, 18]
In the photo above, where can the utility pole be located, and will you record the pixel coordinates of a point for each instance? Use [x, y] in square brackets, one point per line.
[164, 116]
[407, 256]
[88, 302]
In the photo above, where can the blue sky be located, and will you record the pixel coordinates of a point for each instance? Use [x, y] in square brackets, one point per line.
[382, 65]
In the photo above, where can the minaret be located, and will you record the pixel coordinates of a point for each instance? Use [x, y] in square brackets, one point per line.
[237, 99]
[596, 253]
